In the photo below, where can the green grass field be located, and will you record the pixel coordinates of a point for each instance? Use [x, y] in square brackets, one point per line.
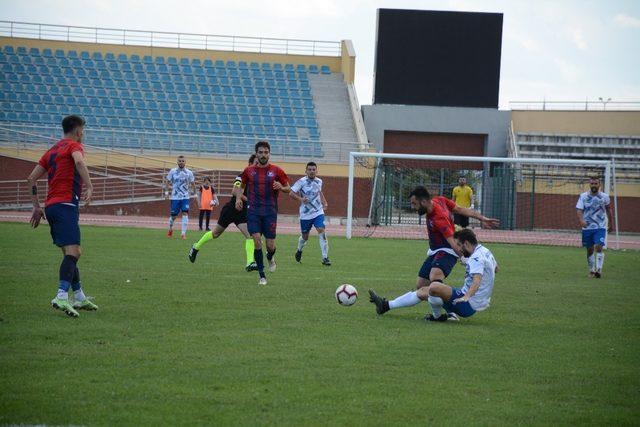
[201, 343]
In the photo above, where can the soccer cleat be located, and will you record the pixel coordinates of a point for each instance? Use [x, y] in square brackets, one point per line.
[442, 318]
[382, 305]
[272, 265]
[64, 306]
[592, 274]
[85, 305]
[453, 317]
[251, 267]
[298, 255]
[597, 275]
[262, 281]
[325, 261]
[193, 253]
[170, 233]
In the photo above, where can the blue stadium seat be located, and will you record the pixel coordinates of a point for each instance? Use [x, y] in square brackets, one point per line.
[313, 69]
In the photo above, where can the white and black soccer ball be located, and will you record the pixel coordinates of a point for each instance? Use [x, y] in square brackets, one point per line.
[346, 295]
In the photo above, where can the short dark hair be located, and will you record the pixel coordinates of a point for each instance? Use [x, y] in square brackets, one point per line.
[466, 235]
[262, 144]
[181, 156]
[311, 164]
[594, 178]
[70, 123]
[252, 158]
[206, 178]
[420, 193]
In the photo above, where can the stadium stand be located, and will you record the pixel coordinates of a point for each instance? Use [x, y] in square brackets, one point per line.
[162, 94]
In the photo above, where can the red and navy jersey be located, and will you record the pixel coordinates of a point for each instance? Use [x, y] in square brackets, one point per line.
[258, 181]
[65, 184]
[440, 223]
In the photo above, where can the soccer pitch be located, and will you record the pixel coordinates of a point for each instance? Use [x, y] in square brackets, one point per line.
[181, 343]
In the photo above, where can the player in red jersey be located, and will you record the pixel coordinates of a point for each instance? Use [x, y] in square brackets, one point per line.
[263, 182]
[443, 251]
[66, 171]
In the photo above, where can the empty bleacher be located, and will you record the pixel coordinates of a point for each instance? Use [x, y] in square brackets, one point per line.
[160, 95]
[625, 150]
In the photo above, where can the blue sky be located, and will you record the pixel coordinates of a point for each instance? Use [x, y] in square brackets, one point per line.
[567, 50]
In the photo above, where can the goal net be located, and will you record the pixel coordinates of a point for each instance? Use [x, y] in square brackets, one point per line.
[534, 199]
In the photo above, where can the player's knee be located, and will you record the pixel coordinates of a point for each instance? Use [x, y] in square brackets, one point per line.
[435, 288]
[305, 236]
[423, 293]
[320, 230]
[421, 282]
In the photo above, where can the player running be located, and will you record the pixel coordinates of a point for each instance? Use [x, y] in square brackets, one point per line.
[182, 184]
[475, 294]
[591, 208]
[262, 183]
[443, 251]
[66, 172]
[229, 215]
[308, 191]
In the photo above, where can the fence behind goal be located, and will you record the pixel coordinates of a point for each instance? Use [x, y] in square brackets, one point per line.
[534, 199]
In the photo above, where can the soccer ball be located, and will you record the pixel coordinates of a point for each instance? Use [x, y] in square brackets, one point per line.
[346, 295]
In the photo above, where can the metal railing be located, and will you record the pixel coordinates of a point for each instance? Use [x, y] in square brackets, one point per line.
[168, 39]
[198, 144]
[586, 105]
[117, 176]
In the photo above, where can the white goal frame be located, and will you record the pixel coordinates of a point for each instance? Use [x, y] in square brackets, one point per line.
[606, 164]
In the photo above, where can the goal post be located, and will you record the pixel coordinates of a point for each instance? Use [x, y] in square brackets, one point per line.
[534, 198]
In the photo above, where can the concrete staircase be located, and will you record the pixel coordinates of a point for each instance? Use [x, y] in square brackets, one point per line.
[333, 111]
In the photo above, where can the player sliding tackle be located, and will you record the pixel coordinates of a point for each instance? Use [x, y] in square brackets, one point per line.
[443, 250]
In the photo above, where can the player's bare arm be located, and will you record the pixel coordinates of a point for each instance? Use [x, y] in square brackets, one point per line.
[475, 285]
[454, 245]
[325, 205]
[237, 190]
[609, 218]
[296, 196]
[583, 223]
[487, 222]
[277, 185]
[37, 214]
[81, 166]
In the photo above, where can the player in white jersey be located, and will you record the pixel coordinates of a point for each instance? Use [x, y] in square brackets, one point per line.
[475, 293]
[594, 209]
[308, 191]
[182, 185]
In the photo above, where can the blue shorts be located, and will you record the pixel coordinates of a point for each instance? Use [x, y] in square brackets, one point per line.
[594, 236]
[462, 309]
[63, 222]
[179, 205]
[317, 222]
[442, 260]
[263, 224]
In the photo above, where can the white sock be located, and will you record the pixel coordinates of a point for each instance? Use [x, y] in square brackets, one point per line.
[436, 305]
[171, 222]
[62, 294]
[599, 260]
[301, 243]
[407, 300]
[185, 221]
[592, 262]
[324, 245]
[79, 295]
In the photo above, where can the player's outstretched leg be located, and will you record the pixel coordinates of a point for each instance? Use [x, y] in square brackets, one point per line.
[170, 232]
[193, 252]
[382, 305]
[249, 247]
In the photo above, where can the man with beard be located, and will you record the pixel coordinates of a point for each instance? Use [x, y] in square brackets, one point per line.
[475, 294]
[263, 182]
[592, 207]
[443, 250]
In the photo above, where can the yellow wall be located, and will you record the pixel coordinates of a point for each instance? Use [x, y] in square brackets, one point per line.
[98, 159]
[348, 61]
[334, 62]
[577, 122]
